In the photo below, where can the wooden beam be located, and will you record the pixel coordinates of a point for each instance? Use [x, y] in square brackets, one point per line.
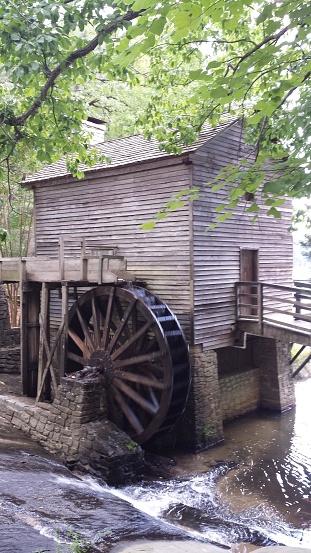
[49, 360]
[53, 371]
[44, 331]
[303, 364]
[30, 336]
[61, 258]
[64, 337]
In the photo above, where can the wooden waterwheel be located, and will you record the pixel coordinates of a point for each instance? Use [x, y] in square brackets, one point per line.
[135, 341]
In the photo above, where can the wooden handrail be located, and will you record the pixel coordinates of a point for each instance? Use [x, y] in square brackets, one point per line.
[266, 304]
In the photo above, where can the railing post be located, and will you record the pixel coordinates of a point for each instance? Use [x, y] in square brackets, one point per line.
[260, 306]
[297, 297]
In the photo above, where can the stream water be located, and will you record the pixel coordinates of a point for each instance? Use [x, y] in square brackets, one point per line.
[253, 489]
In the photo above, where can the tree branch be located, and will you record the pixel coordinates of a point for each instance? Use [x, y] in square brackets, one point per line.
[77, 54]
[270, 38]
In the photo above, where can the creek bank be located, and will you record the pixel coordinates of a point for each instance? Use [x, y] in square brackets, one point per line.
[44, 507]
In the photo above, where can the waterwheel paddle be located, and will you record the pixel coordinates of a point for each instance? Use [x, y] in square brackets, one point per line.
[136, 342]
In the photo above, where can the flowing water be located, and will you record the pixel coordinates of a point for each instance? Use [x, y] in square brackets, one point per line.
[253, 489]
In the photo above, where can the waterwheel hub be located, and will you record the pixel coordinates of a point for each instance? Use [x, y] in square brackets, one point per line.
[102, 361]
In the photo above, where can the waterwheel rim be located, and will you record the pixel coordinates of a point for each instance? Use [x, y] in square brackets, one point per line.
[145, 367]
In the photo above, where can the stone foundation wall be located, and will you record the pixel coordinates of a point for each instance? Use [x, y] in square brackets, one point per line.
[9, 339]
[201, 425]
[276, 383]
[74, 427]
[240, 393]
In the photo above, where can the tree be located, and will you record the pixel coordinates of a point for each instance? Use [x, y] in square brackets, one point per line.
[249, 58]
[16, 211]
[306, 245]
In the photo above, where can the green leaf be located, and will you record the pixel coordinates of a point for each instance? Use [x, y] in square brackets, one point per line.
[253, 208]
[225, 216]
[219, 92]
[181, 20]
[148, 226]
[274, 213]
[141, 5]
[273, 187]
[157, 25]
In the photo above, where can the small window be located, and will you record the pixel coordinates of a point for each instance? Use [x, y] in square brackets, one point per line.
[249, 196]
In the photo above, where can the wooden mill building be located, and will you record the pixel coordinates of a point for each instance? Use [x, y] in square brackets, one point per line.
[234, 368]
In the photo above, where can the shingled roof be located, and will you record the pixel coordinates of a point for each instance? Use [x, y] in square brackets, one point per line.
[127, 151]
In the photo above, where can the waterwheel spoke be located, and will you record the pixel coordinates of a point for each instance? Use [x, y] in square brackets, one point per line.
[153, 398]
[134, 322]
[137, 359]
[153, 369]
[128, 412]
[141, 342]
[85, 330]
[96, 322]
[139, 378]
[77, 358]
[132, 340]
[153, 342]
[107, 320]
[120, 328]
[120, 312]
[81, 345]
[137, 398]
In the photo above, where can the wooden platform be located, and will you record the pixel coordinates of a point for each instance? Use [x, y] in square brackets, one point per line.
[44, 350]
[100, 269]
[274, 311]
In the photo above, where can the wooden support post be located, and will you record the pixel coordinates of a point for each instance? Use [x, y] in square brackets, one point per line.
[44, 331]
[64, 337]
[49, 360]
[61, 258]
[303, 364]
[298, 298]
[83, 261]
[100, 269]
[30, 336]
[297, 355]
[23, 336]
[22, 270]
[260, 306]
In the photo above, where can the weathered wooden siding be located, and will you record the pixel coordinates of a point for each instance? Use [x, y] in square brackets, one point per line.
[216, 254]
[108, 207]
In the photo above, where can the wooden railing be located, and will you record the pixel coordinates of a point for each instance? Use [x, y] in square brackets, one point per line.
[75, 260]
[261, 302]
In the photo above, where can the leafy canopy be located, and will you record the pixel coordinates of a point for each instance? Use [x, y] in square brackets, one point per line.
[250, 58]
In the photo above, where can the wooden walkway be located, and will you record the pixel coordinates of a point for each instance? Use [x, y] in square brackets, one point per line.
[275, 311]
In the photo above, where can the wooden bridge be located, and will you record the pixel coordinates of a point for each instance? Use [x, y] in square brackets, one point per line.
[276, 311]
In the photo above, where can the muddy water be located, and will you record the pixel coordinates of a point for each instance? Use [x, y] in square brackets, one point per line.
[254, 489]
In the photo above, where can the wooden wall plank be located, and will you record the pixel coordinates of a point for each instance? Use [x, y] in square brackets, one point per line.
[110, 211]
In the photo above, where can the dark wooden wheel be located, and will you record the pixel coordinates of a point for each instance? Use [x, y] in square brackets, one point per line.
[136, 342]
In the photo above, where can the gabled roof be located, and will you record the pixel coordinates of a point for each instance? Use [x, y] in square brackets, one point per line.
[128, 151]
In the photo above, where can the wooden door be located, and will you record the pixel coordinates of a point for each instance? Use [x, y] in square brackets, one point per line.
[249, 273]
